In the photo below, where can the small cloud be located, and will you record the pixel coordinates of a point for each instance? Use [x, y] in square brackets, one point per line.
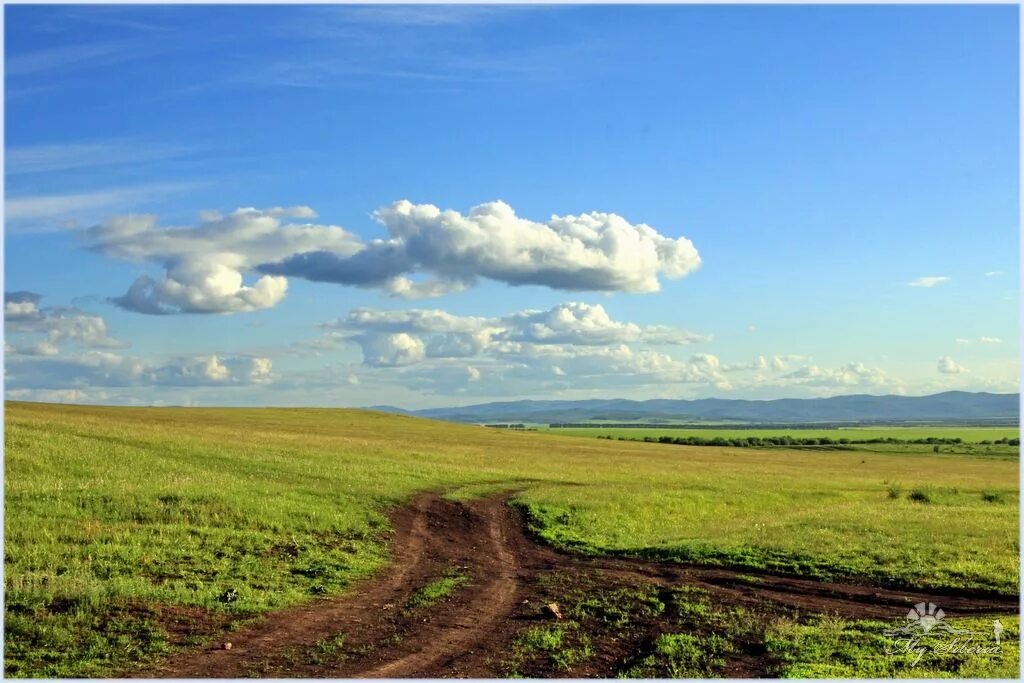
[981, 340]
[390, 350]
[291, 212]
[706, 360]
[751, 328]
[948, 366]
[929, 281]
[56, 325]
[993, 273]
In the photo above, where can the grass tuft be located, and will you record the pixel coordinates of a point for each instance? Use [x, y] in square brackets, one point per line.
[920, 496]
[436, 591]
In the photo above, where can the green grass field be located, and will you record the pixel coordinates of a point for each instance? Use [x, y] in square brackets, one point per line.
[976, 441]
[968, 434]
[114, 514]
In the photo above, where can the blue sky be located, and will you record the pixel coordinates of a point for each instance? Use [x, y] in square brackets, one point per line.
[830, 194]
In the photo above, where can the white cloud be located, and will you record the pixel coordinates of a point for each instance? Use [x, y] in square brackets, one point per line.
[948, 366]
[759, 363]
[21, 307]
[570, 347]
[929, 281]
[854, 374]
[204, 265]
[52, 395]
[261, 370]
[193, 371]
[453, 336]
[981, 340]
[37, 357]
[706, 360]
[406, 288]
[197, 287]
[595, 251]
[69, 156]
[526, 369]
[429, 349]
[413, 320]
[777, 363]
[56, 325]
[68, 205]
[389, 350]
[300, 211]
[20, 310]
[39, 348]
[106, 369]
[993, 273]
[581, 323]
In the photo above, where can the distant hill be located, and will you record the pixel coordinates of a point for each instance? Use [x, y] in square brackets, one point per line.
[948, 407]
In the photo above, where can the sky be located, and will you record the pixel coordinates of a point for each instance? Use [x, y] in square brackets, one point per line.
[442, 205]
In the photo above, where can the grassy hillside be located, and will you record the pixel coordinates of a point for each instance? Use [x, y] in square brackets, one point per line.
[115, 516]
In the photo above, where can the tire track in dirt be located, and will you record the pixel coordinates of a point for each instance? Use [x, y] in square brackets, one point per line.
[319, 619]
[485, 540]
[469, 625]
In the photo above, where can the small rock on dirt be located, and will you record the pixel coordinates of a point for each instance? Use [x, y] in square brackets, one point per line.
[225, 646]
[551, 610]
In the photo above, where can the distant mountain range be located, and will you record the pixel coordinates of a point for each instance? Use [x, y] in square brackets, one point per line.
[948, 407]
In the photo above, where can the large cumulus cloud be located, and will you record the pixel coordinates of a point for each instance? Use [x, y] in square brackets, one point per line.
[240, 262]
[592, 252]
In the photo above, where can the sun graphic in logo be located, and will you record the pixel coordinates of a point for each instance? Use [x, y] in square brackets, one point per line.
[925, 616]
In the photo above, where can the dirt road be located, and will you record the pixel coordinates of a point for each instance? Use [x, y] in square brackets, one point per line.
[468, 633]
